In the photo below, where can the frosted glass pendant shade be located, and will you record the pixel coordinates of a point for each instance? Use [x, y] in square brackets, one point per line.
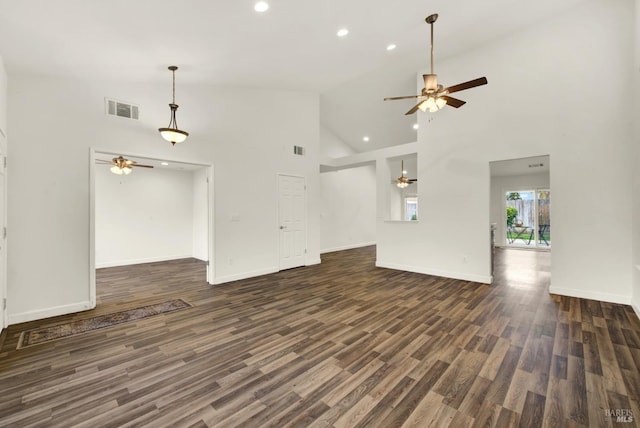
[173, 135]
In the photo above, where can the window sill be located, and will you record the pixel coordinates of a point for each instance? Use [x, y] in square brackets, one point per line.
[402, 221]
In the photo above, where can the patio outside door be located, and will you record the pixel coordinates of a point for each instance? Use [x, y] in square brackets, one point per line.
[528, 214]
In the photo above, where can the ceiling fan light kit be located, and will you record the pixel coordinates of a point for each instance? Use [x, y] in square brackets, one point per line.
[120, 171]
[172, 133]
[435, 96]
[121, 165]
[403, 181]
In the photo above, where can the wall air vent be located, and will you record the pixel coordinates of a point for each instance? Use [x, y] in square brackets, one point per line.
[298, 150]
[121, 109]
[536, 165]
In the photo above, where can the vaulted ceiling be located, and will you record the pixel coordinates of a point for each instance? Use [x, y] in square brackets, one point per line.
[292, 46]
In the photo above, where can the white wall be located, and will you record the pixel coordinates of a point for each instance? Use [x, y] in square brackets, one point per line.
[636, 170]
[347, 109]
[3, 96]
[3, 143]
[56, 121]
[146, 216]
[348, 216]
[502, 184]
[332, 146]
[539, 99]
[200, 245]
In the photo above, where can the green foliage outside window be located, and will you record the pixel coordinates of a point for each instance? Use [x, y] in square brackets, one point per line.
[512, 213]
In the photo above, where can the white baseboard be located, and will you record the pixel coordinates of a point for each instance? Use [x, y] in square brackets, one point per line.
[313, 262]
[244, 275]
[592, 295]
[484, 279]
[49, 312]
[347, 247]
[116, 263]
[636, 309]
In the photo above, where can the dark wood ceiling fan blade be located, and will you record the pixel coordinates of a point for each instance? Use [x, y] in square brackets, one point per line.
[140, 165]
[454, 102]
[467, 85]
[413, 180]
[415, 108]
[403, 98]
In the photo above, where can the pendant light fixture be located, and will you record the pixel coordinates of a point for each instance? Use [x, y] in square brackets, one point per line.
[171, 133]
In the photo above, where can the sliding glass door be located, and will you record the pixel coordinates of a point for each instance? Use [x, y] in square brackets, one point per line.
[544, 217]
[528, 218]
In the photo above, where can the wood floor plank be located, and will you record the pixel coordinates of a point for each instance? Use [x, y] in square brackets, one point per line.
[342, 344]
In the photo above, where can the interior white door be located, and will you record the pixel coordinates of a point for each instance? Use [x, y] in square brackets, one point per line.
[292, 221]
[3, 237]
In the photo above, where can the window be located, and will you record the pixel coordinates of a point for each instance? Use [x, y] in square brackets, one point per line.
[411, 208]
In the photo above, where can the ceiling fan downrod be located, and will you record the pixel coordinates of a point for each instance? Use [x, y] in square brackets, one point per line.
[430, 20]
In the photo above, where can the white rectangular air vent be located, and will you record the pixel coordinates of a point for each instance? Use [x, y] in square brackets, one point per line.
[298, 150]
[121, 109]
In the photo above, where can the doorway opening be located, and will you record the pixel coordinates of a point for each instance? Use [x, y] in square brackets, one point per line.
[520, 202]
[160, 214]
[520, 216]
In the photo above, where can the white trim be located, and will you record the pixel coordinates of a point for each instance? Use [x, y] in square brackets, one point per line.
[347, 247]
[245, 275]
[92, 227]
[2, 132]
[4, 288]
[367, 158]
[92, 215]
[636, 309]
[592, 295]
[117, 263]
[313, 262]
[483, 279]
[211, 226]
[50, 312]
[147, 156]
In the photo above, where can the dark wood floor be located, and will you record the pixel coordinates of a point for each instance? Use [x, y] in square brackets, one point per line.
[340, 344]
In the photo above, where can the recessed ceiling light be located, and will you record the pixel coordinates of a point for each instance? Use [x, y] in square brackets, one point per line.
[261, 6]
[365, 139]
[342, 32]
[391, 47]
[416, 126]
[164, 163]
